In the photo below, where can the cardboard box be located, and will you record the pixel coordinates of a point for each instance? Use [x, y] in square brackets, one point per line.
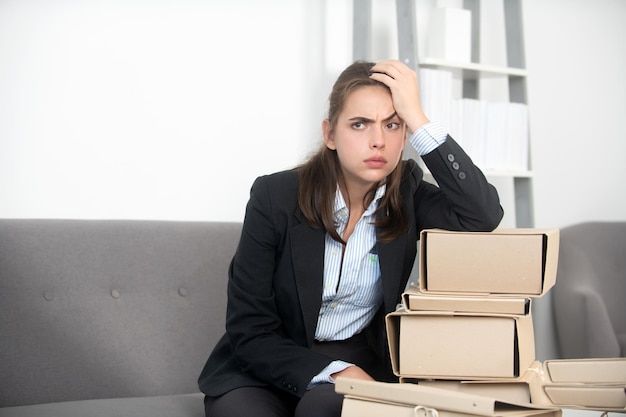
[414, 300]
[443, 345]
[370, 398]
[593, 384]
[518, 262]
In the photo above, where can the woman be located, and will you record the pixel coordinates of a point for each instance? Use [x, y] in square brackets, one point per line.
[327, 248]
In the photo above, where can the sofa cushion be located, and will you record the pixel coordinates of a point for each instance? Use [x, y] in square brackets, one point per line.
[95, 309]
[186, 405]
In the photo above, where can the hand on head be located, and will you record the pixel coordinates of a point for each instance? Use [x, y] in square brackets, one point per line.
[405, 93]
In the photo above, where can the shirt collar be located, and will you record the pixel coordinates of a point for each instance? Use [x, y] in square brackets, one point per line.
[341, 210]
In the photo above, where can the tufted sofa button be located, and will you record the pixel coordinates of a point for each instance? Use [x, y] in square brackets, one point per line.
[182, 291]
[48, 295]
[115, 293]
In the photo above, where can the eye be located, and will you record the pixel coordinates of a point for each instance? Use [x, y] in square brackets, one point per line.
[358, 125]
[393, 125]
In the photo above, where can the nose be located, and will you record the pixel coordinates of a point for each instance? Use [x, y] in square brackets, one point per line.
[377, 140]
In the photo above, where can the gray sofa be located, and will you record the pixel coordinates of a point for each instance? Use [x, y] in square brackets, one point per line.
[589, 307]
[109, 318]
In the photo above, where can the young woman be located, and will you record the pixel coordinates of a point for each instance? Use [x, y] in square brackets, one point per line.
[327, 249]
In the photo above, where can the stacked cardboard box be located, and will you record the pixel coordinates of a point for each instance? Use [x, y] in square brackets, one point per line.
[470, 316]
[466, 327]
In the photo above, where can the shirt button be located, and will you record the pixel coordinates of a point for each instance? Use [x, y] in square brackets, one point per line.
[450, 157]
[462, 175]
[455, 165]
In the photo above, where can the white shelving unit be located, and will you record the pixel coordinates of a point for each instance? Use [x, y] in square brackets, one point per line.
[514, 185]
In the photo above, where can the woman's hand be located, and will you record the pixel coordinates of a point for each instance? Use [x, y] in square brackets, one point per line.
[352, 372]
[405, 93]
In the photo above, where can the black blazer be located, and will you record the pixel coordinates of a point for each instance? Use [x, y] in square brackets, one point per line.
[275, 277]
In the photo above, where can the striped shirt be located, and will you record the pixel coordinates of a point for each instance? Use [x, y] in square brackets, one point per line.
[352, 287]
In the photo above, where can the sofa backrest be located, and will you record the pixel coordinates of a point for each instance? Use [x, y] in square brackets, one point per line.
[588, 298]
[108, 308]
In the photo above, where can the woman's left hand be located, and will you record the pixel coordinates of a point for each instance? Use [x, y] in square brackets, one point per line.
[405, 93]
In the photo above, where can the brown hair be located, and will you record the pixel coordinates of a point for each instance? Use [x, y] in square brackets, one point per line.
[320, 175]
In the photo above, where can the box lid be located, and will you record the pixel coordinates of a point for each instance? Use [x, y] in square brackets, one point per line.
[505, 262]
[414, 300]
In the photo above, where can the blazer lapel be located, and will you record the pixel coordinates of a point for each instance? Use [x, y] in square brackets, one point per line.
[392, 257]
[307, 248]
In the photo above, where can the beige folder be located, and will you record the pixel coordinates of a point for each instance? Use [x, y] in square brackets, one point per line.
[447, 403]
[359, 407]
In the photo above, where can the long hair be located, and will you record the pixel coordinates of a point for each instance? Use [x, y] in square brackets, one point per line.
[320, 175]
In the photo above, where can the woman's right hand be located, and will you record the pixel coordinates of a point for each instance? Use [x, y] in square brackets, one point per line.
[352, 372]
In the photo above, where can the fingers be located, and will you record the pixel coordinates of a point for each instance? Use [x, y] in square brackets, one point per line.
[391, 70]
[403, 84]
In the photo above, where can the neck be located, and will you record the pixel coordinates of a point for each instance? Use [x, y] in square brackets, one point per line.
[355, 198]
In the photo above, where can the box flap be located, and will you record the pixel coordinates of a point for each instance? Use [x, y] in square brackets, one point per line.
[593, 397]
[586, 371]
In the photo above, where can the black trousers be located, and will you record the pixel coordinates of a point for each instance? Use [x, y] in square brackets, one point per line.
[320, 401]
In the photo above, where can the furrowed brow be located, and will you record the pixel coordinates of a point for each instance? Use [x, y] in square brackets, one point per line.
[392, 116]
[360, 119]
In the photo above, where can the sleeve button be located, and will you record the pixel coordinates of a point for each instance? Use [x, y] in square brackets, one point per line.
[450, 157]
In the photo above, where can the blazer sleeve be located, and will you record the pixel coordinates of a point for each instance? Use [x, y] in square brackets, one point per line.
[463, 200]
[262, 343]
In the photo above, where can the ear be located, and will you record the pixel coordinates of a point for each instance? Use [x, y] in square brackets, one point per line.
[328, 139]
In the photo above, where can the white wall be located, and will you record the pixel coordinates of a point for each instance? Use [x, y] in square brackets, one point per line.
[147, 109]
[169, 109]
[577, 95]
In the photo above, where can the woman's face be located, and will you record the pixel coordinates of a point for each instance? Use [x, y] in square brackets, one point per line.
[369, 137]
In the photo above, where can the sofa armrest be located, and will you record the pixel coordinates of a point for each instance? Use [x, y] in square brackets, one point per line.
[584, 325]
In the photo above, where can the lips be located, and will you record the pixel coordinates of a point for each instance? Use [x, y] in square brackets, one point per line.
[375, 162]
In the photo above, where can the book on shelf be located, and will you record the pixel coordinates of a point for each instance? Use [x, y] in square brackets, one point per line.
[494, 134]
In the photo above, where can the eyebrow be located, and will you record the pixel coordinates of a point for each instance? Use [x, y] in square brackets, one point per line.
[368, 120]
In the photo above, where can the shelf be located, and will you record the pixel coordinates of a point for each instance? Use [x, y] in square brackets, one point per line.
[472, 70]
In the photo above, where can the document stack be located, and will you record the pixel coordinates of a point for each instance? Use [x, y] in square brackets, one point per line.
[465, 330]
[470, 316]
